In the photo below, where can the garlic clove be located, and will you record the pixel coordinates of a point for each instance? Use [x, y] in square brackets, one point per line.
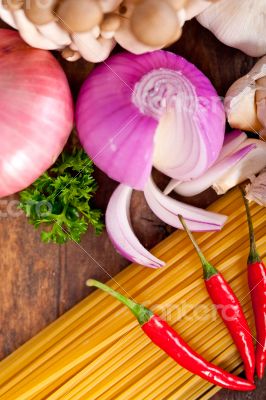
[242, 97]
[260, 98]
[238, 23]
[195, 7]
[249, 166]
[256, 190]
[241, 108]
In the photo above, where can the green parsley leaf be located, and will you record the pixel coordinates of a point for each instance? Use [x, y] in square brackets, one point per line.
[60, 200]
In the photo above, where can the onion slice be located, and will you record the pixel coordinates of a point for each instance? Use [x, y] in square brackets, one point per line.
[213, 174]
[250, 165]
[232, 141]
[168, 209]
[120, 231]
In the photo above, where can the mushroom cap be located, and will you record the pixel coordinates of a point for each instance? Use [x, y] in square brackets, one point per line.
[154, 22]
[13, 5]
[111, 23]
[79, 16]
[40, 12]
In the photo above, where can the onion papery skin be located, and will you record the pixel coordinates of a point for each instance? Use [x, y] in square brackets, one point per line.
[124, 100]
[36, 112]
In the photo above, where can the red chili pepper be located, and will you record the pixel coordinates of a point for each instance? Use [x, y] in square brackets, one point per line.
[173, 345]
[257, 286]
[229, 309]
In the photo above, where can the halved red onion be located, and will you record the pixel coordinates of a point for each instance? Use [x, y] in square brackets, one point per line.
[36, 112]
[217, 171]
[120, 231]
[168, 209]
[138, 109]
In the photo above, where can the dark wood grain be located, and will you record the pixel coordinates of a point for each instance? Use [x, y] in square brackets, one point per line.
[40, 282]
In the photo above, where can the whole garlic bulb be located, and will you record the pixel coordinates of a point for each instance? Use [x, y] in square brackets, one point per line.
[238, 23]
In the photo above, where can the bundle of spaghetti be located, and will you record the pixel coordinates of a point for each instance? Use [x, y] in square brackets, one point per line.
[97, 350]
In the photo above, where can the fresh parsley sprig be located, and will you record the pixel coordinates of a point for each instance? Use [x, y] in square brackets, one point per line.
[60, 199]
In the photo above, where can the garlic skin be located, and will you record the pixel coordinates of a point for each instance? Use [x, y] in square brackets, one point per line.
[256, 190]
[247, 168]
[245, 100]
[238, 23]
[195, 7]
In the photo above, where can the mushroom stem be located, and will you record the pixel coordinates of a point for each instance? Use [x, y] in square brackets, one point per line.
[7, 16]
[70, 55]
[30, 34]
[93, 50]
[55, 33]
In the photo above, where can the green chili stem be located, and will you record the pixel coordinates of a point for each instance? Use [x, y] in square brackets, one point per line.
[142, 313]
[253, 253]
[208, 269]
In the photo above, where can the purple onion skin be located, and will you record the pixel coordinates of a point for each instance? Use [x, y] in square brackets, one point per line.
[119, 136]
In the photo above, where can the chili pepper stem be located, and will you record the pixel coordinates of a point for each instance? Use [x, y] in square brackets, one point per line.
[253, 254]
[142, 313]
[208, 269]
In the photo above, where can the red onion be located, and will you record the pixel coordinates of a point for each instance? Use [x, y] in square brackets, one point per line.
[120, 230]
[36, 112]
[157, 108]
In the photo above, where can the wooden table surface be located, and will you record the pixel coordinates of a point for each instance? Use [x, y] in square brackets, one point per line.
[40, 282]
